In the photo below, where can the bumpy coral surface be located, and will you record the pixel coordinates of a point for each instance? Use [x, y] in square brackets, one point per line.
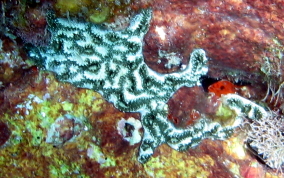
[236, 34]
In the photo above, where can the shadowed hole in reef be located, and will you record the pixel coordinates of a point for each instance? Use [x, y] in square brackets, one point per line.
[4, 133]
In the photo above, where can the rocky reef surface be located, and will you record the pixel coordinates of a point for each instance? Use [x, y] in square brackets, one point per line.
[160, 88]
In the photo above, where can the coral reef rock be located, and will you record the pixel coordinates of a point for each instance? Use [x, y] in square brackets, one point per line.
[112, 63]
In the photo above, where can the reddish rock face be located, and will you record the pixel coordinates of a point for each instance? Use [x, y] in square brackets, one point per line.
[187, 105]
[236, 34]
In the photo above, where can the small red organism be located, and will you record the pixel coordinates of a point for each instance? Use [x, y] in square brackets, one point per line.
[222, 87]
[193, 117]
[175, 120]
[34, 69]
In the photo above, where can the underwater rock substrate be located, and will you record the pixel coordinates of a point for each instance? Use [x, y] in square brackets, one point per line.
[112, 63]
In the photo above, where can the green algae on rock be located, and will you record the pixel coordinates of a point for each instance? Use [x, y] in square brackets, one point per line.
[112, 63]
[99, 15]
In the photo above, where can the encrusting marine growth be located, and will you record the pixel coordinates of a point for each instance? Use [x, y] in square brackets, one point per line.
[111, 63]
